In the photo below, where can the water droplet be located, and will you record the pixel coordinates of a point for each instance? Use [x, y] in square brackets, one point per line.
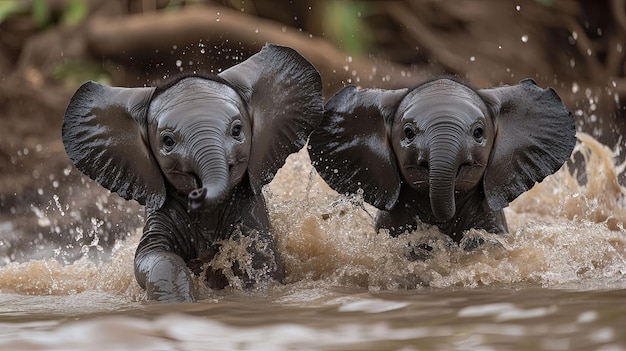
[518, 7]
[575, 87]
[472, 58]
[256, 30]
[524, 38]
[179, 63]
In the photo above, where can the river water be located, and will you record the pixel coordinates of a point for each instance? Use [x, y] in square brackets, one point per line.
[558, 282]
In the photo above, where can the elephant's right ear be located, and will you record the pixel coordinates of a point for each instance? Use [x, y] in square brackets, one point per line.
[105, 135]
[535, 136]
[351, 149]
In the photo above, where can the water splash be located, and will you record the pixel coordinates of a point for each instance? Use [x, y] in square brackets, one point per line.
[569, 229]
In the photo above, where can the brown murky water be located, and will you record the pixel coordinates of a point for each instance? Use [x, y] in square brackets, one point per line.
[558, 282]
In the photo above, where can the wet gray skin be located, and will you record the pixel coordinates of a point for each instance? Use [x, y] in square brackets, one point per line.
[197, 151]
[442, 152]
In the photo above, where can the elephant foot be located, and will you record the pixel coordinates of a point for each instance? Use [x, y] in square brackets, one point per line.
[418, 251]
[471, 244]
[215, 279]
[474, 240]
[425, 247]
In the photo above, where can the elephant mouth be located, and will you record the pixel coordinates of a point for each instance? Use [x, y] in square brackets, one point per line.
[197, 193]
[196, 180]
[237, 164]
[467, 176]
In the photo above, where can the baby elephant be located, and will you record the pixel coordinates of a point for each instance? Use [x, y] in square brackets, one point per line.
[442, 152]
[196, 152]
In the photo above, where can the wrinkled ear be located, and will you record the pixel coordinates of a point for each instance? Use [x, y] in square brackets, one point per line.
[105, 135]
[351, 148]
[283, 92]
[535, 135]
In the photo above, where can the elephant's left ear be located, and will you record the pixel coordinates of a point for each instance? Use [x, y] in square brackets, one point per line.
[105, 135]
[283, 92]
[535, 135]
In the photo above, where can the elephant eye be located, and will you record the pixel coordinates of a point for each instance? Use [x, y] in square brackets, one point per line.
[478, 134]
[168, 142]
[235, 130]
[409, 132]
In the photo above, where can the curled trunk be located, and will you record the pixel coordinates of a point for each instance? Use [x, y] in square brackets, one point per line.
[212, 176]
[444, 164]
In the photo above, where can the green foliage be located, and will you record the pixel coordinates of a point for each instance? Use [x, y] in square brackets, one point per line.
[75, 72]
[10, 8]
[345, 24]
[546, 3]
[40, 13]
[73, 13]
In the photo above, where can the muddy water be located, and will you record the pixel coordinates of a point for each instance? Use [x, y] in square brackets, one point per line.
[558, 282]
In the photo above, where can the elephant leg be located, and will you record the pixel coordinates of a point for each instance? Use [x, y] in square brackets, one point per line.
[398, 221]
[501, 225]
[266, 261]
[165, 277]
[265, 257]
[492, 222]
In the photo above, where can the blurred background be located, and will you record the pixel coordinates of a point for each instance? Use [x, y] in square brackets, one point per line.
[49, 47]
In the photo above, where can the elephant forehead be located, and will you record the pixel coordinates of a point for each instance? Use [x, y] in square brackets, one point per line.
[195, 98]
[442, 99]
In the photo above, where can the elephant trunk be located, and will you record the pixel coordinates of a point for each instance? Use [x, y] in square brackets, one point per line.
[444, 163]
[213, 176]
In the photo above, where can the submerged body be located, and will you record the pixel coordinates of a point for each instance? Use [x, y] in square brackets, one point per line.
[442, 153]
[558, 284]
[197, 152]
[186, 249]
[414, 205]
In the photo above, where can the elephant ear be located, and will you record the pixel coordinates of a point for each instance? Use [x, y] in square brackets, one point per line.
[351, 149]
[535, 135]
[283, 92]
[105, 135]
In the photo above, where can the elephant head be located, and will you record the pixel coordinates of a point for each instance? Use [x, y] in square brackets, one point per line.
[198, 135]
[443, 139]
